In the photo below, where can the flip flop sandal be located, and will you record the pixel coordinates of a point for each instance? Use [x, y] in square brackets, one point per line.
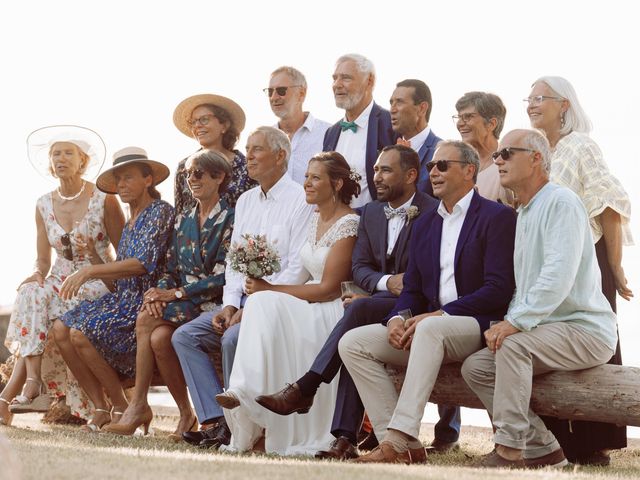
[24, 404]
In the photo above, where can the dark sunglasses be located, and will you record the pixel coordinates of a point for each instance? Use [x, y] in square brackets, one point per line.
[442, 165]
[506, 153]
[67, 252]
[281, 91]
[196, 172]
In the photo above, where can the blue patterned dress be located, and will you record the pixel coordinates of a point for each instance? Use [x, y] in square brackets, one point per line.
[196, 262]
[110, 321]
[240, 183]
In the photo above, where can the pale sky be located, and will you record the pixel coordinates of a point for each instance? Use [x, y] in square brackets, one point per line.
[120, 68]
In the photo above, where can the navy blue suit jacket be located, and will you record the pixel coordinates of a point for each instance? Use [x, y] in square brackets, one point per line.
[379, 135]
[483, 264]
[370, 251]
[425, 153]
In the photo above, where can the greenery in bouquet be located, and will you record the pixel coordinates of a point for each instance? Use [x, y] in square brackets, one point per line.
[254, 257]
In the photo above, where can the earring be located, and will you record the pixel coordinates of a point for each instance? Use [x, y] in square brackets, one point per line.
[334, 197]
[562, 120]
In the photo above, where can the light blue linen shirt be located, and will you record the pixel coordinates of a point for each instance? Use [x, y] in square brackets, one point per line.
[556, 270]
[305, 143]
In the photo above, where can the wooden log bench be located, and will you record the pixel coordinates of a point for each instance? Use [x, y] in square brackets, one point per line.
[608, 393]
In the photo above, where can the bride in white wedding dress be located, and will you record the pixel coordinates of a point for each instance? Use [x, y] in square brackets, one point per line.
[284, 326]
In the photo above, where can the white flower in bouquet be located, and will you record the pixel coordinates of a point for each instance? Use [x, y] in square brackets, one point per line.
[254, 257]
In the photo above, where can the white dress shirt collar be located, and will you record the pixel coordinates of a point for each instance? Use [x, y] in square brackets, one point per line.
[363, 119]
[418, 140]
[459, 208]
[278, 189]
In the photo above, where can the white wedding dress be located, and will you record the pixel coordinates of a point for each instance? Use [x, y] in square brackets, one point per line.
[279, 340]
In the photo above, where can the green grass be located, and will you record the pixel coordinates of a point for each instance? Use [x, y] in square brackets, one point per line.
[64, 452]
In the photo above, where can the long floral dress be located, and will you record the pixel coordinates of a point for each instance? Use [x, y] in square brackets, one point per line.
[37, 307]
[109, 322]
[196, 262]
[240, 183]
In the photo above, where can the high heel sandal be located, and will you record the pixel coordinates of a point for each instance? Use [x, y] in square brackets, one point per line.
[9, 419]
[130, 428]
[40, 403]
[92, 426]
[177, 435]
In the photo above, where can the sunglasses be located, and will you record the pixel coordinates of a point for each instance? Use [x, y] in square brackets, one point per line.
[442, 165]
[195, 172]
[538, 99]
[506, 153]
[67, 252]
[281, 91]
[203, 120]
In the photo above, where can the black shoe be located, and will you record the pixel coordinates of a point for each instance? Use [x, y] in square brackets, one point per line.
[216, 436]
[598, 458]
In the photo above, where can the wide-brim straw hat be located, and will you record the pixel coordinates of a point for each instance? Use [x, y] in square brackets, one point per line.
[182, 113]
[127, 156]
[40, 141]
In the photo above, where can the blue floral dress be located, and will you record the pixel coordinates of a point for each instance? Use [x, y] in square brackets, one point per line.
[110, 321]
[196, 262]
[240, 183]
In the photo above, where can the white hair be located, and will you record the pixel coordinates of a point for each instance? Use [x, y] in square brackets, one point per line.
[575, 118]
[277, 140]
[536, 140]
[363, 64]
[295, 75]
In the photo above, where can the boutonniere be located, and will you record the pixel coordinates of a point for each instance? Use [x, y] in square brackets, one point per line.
[412, 212]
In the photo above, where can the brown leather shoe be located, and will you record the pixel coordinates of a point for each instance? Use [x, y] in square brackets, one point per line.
[418, 455]
[437, 447]
[287, 401]
[341, 449]
[369, 442]
[555, 459]
[494, 460]
[384, 453]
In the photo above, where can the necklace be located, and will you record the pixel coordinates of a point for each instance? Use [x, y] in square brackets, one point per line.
[72, 197]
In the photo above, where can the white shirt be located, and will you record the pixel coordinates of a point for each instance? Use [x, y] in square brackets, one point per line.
[283, 216]
[305, 143]
[419, 139]
[451, 226]
[353, 147]
[394, 225]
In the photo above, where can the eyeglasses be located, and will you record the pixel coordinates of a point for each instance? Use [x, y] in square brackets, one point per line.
[195, 172]
[442, 165]
[464, 117]
[506, 153]
[281, 91]
[538, 99]
[67, 252]
[203, 120]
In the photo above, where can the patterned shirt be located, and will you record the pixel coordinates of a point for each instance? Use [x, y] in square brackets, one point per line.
[577, 164]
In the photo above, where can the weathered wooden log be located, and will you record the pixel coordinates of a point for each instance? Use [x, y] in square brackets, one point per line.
[608, 393]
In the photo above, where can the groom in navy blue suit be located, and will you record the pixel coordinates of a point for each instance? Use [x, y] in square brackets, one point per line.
[366, 127]
[380, 257]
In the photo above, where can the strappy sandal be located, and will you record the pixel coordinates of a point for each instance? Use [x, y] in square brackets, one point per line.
[93, 427]
[6, 422]
[40, 403]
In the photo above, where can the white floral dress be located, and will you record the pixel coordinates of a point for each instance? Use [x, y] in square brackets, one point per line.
[36, 307]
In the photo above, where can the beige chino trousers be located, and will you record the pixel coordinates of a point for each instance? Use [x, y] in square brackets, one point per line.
[437, 340]
[502, 381]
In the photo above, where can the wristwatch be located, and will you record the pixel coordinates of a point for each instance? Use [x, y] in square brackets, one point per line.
[178, 294]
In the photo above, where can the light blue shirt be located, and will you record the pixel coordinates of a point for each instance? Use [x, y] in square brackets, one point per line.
[556, 270]
[305, 143]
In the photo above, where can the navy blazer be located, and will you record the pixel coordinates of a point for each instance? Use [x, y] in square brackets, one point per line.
[425, 153]
[379, 135]
[370, 251]
[483, 264]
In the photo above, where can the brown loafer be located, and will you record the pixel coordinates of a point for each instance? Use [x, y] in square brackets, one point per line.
[341, 449]
[384, 453]
[494, 460]
[228, 400]
[287, 401]
[437, 447]
[555, 459]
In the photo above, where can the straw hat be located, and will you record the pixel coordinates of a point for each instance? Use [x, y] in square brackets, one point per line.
[182, 113]
[40, 141]
[127, 156]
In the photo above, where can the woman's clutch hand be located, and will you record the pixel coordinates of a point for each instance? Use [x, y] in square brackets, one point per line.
[35, 277]
[72, 284]
[253, 285]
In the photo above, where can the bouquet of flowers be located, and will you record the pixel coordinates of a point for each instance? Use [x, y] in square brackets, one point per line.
[254, 257]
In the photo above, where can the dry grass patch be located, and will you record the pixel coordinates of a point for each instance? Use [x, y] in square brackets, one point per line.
[64, 452]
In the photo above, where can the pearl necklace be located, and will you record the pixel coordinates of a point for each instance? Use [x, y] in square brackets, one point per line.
[72, 197]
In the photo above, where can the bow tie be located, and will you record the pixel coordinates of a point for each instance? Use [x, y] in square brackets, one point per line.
[348, 126]
[395, 212]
